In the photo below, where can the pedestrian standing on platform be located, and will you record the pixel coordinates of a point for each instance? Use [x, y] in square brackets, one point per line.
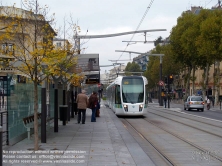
[93, 100]
[82, 102]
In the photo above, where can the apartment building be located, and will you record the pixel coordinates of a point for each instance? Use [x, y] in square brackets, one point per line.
[142, 61]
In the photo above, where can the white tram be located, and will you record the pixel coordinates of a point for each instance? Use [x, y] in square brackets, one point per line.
[127, 95]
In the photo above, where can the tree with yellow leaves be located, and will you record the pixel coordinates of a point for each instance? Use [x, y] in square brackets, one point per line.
[34, 52]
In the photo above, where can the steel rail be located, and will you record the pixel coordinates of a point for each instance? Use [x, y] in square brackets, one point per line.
[165, 157]
[188, 142]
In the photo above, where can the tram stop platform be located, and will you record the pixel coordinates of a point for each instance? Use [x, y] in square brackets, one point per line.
[105, 142]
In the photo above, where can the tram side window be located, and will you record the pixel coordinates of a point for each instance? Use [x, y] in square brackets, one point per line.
[117, 95]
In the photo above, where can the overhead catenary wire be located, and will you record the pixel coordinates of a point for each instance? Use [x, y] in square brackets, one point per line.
[141, 21]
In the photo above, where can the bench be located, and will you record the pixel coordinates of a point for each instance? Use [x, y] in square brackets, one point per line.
[29, 123]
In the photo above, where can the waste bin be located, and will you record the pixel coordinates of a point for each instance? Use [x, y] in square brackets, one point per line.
[63, 113]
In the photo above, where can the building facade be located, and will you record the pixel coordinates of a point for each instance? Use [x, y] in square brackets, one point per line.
[21, 33]
[142, 61]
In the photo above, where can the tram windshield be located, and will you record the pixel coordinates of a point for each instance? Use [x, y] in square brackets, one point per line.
[132, 90]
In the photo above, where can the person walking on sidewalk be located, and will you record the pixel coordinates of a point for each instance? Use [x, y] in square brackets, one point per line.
[82, 102]
[208, 103]
[93, 101]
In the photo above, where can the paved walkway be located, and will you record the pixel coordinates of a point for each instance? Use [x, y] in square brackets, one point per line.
[102, 143]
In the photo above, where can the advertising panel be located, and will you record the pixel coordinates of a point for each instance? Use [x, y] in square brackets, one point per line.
[88, 62]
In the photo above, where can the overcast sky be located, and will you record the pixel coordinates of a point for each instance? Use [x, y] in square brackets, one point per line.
[102, 17]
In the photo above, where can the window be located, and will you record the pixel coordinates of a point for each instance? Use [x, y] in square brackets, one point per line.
[117, 95]
[4, 47]
[10, 47]
[146, 97]
[133, 90]
[59, 44]
[196, 99]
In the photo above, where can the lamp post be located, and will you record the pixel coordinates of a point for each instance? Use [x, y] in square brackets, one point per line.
[160, 76]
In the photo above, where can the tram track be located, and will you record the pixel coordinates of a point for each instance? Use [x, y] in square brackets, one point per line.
[164, 157]
[206, 151]
[170, 161]
[177, 121]
[182, 113]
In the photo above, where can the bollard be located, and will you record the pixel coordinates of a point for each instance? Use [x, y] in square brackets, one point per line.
[0, 145]
[220, 104]
[63, 113]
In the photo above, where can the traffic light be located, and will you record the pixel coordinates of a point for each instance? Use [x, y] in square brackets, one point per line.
[170, 79]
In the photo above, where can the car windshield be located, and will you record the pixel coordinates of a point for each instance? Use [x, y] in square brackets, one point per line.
[196, 99]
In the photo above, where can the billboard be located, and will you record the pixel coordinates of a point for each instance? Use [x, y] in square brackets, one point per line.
[88, 62]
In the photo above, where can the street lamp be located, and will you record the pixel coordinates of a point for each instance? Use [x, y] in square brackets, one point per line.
[160, 77]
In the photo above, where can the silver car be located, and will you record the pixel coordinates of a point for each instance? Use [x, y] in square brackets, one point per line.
[194, 102]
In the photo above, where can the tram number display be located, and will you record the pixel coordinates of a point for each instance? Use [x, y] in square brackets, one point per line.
[132, 81]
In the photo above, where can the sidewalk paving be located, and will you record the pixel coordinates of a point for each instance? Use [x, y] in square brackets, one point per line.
[102, 143]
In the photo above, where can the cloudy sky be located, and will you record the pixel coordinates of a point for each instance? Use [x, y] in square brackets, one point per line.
[101, 17]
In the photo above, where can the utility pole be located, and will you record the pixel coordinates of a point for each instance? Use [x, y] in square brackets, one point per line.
[168, 89]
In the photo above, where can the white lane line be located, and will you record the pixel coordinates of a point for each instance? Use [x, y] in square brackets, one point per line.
[196, 116]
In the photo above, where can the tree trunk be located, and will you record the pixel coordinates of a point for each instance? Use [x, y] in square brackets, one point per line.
[205, 80]
[187, 82]
[36, 134]
[217, 83]
[193, 80]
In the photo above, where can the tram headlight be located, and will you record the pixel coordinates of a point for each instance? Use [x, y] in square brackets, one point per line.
[125, 107]
[140, 107]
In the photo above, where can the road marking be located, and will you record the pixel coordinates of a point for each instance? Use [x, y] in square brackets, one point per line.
[196, 115]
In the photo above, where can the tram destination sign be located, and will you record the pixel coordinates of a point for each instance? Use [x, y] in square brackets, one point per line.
[92, 79]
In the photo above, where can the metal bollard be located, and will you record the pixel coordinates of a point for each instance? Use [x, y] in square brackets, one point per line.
[220, 104]
[63, 113]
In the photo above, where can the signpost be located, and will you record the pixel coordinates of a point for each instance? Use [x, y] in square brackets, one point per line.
[161, 83]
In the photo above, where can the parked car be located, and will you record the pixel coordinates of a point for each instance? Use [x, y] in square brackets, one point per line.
[194, 102]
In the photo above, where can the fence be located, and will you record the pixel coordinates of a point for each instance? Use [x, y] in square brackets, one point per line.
[20, 104]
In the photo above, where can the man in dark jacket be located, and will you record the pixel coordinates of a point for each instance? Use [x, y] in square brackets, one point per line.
[82, 102]
[93, 100]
